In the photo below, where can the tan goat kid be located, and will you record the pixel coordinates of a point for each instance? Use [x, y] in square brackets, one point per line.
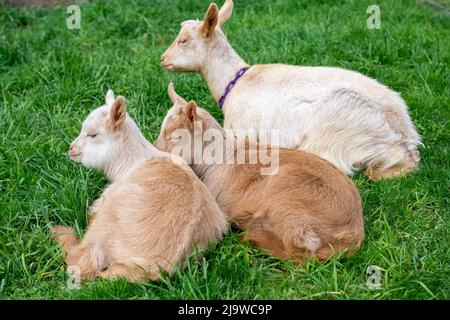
[308, 208]
[151, 216]
[349, 119]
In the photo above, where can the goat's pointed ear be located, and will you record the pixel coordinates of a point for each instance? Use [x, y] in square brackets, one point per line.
[211, 20]
[109, 98]
[118, 113]
[225, 12]
[190, 109]
[174, 97]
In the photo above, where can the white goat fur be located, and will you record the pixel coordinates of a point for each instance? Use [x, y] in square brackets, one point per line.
[343, 116]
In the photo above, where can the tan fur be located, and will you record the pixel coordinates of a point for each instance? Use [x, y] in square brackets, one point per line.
[151, 217]
[308, 208]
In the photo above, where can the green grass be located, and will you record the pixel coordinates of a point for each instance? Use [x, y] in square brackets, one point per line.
[51, 77]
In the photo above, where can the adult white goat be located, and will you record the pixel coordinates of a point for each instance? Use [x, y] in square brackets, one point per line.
[343, 116]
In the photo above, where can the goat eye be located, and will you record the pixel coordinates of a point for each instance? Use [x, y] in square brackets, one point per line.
[183, 41]
[175, 139]
[92, 135]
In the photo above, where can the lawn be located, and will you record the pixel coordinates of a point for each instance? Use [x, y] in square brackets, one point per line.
[51, 77]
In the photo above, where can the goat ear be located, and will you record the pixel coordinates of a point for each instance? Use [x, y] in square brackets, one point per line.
[174, 97]
[109, 98]
[118, 112]
[211, 20]
[225, 12]
[190, 109]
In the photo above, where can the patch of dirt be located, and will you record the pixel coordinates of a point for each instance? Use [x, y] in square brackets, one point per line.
[441, 5]
[21, 3]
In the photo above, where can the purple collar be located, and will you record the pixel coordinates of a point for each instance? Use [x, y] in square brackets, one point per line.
[231, 84]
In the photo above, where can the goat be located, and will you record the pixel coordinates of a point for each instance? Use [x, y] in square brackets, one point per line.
[349, 119]
[307, 208]
[152, 215]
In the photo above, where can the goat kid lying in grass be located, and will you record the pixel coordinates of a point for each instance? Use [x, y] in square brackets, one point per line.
[153, 213]
[349, 119]
[308, 208]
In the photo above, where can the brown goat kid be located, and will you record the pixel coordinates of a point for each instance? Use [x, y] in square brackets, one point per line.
[308, 208]
[151, 216]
